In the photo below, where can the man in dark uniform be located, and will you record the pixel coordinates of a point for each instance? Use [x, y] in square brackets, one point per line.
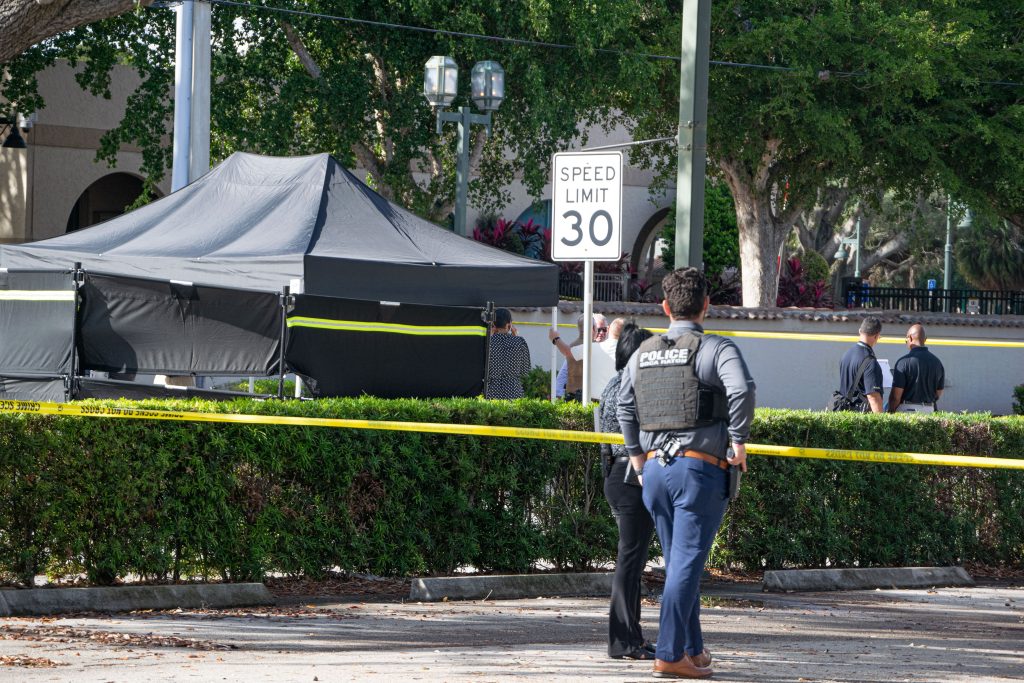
[918, 378]
[684, 397]
[870, 384]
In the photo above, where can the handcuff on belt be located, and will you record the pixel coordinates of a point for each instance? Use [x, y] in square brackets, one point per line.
[668, 453]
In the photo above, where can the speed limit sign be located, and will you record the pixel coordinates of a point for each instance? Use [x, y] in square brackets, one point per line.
[586, 193]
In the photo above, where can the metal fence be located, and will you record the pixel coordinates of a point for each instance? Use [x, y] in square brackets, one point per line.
[607, 286]
[967, 301]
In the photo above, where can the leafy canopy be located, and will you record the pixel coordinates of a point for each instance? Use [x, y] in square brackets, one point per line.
[292, 84]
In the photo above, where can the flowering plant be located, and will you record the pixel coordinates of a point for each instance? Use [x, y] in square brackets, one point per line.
[795, 290]
[526, 239]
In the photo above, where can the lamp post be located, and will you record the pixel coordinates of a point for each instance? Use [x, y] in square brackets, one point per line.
[853, 243]
[947, 265]
[440, 86]
[14, 139]
[841, 254]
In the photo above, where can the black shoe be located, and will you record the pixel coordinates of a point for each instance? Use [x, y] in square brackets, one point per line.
[636, 653]
[649, 646]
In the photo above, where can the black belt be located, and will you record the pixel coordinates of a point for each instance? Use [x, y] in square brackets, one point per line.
[621, 458]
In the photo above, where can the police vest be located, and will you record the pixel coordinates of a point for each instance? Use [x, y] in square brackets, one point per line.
[669, 397]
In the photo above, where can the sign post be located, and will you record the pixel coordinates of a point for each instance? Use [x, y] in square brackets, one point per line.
[586, 223]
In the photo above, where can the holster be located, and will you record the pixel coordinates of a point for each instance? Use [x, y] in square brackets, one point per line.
[607, 459]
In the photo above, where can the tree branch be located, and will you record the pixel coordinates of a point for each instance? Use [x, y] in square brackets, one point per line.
[363, 154]
[893, 246]
[23, 23]
[368, 160]
[299, 48]
[384, 88]
[477, 150]
[762, 174]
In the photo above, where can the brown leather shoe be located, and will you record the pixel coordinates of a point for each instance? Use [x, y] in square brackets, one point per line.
[684, 668]
[703, 659]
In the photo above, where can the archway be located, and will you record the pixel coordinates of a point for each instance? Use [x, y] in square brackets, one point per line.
[642, 257]
[105, 199]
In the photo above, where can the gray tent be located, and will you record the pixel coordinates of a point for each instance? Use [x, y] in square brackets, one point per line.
[258, 222]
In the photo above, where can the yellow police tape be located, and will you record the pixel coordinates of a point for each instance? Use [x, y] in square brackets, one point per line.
[802, 336]
[42, 408]
[837, 338]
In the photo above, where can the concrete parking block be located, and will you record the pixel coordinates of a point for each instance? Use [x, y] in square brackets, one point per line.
[44, 601]
[510, 587]
[792, 580]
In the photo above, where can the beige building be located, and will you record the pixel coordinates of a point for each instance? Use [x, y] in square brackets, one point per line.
[55, 185]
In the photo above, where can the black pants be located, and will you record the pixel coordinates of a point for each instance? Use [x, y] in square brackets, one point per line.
[636, 529]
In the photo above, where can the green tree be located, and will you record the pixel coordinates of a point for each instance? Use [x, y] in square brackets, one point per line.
[294, 84]
[721, 245]
[890, 97]
[900, 238]
[990, 253]
[24, 23]
[867, 96]
[982, 158]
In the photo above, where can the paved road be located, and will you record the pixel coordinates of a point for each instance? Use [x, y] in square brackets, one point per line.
[943, 635]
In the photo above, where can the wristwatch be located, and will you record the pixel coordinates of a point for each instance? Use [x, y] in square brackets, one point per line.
[554, 341]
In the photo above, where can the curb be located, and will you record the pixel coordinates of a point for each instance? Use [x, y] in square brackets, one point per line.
[510, 587]
[792, 580]
[44, 601]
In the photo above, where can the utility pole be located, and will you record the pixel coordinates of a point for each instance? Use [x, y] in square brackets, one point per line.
[191, 150]
[182, 95]
[947, 273]
[693, 132]
[199, 157]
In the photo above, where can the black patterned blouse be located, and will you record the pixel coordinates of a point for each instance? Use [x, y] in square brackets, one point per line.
[510, 361]
[609, 407]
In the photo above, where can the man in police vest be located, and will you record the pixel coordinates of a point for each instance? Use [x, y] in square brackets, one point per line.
[684, 398]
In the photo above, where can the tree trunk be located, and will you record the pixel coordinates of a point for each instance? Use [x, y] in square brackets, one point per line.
[23, 23]
[760, 248]
[816, 228]
[762, 233]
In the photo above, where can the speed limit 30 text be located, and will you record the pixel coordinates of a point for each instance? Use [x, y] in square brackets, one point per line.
[574, 193]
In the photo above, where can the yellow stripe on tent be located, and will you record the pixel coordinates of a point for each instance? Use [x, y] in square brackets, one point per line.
[390, 328]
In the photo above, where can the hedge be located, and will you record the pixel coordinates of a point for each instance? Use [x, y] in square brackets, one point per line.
[173, 500]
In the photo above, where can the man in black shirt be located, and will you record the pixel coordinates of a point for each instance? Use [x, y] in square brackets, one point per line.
[917, 378]
[870, 385]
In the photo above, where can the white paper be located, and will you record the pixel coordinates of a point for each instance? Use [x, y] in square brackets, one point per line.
[602, 368]
[886, 373]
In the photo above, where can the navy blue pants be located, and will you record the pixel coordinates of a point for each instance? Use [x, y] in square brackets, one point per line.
[687, 499]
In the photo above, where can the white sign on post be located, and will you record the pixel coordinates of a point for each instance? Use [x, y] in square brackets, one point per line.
[586, 198]
[586, 225]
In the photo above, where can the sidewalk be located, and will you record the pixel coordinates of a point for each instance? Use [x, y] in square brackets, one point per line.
[950, 634]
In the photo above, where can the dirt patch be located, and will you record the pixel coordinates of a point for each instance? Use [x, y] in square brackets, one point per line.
[48, 633]
[28, 662]
[339, 586]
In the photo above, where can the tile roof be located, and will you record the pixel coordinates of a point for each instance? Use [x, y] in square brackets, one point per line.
[824, 315]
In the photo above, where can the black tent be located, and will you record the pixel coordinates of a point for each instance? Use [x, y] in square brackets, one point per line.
[257, 223]
[189, 284]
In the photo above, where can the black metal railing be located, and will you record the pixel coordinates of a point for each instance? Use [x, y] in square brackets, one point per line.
[607, 286]
[965, 301]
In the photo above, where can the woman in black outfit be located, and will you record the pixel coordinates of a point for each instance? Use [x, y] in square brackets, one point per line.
[636, 528]
[510, 359]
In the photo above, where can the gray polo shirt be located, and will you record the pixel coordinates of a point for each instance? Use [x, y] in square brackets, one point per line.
[718, 364]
